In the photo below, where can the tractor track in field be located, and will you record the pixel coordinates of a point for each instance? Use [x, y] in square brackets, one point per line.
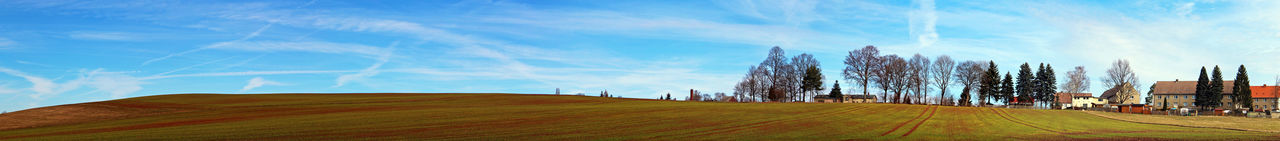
[913, 129]
[764, 123]
[1010, 118]
[895, 128]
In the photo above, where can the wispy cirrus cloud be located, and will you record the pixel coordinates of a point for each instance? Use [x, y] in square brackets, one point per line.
[214, 45]
[256, 82]
[368, 71]
[5, 43]
[112, 36]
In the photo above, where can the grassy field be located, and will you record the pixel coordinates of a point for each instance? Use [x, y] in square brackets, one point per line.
[549, 117]
[1223, 122]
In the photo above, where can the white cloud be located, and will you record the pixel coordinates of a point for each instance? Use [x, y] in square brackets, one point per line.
[368, 71]
[259, 82]
[923, 23]
[1184, 10]
[214, 74]
[215, 45]
[313, 46]
[114, 83]
[5, 43]
[114, 36]
[41, 86]
[192, 66]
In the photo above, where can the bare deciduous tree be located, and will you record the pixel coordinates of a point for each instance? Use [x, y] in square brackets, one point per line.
[1119, 74]
[782, 75]
[941, 70]
[860, 67]
[896, 73]
[918, 68]
[968, 73]
[1077, 81]
[806, 86]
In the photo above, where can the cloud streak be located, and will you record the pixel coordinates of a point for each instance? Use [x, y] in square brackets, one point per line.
[259, 82]
[214, 45]
[923, 22]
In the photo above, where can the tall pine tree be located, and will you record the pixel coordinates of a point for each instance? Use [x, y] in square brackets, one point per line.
[964, 97]
[1048, 85]
[990, 84]
[1037, 85]
[1243, 95]
[1202, 89]
[1215, 89]
[1026, 82]
[1006, 89]
[835, 92]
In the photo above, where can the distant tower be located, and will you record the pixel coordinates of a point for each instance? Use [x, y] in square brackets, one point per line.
[557, 91]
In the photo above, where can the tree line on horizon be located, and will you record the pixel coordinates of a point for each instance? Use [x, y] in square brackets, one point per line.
[909, 81]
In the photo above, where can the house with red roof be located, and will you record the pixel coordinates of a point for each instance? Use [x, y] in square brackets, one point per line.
[1264, 97]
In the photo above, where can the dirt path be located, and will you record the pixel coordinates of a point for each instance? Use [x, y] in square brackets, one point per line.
[913, 129]
[895, 128]
[1011, 119]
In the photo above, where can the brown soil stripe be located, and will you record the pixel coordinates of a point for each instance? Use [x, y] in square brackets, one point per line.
[926, 110]
[1025, 124]
[913, 129]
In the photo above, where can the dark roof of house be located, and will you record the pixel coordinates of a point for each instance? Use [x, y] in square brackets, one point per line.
[1109, 93]
[1185, 87]
[855, 96]
[821, 96]
[858, 96]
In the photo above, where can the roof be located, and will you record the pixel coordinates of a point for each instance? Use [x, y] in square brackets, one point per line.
[1184, 87]
[1109, 93]
[1066, 97]
[822, 96]
[1264, 91]
[858, 96]
[855, 96]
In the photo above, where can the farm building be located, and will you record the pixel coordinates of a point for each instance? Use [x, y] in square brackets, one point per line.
[1069, 100]
[846, 99]
[1123, 94]
[1182, 94]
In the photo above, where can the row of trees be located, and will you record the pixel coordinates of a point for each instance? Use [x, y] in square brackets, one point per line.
[779, 79]
[907, 79]
[903, 80]
[1209, 90]
[1039, 86]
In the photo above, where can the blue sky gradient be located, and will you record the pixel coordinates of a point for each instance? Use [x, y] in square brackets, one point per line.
[60, 52]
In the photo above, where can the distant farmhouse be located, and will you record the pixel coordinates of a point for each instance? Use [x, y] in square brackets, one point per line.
[856, 98]
[1078, 100]
[1122, 95]
[1182, 94]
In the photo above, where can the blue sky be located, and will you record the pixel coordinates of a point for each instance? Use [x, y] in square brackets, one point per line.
[60, 52]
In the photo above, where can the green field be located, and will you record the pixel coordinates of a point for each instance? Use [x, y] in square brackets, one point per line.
[550, 117]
